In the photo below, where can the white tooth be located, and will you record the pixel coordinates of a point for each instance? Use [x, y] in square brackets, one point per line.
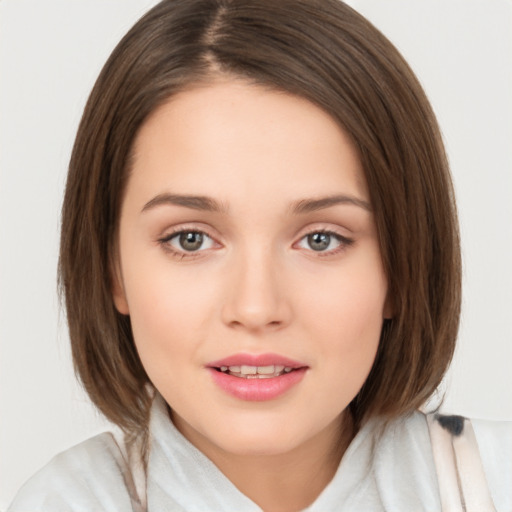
[249, 376]
[223, 368]
[266, 376]
[235, 369]
[248, 370]
[287, 369]
[266, 370]
[279, 368]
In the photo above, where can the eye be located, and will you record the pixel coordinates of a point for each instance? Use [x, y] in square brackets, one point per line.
[189, 241]
[324, 241]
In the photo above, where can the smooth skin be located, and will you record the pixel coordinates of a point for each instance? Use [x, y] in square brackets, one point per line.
[246, 227]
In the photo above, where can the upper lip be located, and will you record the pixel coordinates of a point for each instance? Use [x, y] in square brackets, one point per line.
[256, 360]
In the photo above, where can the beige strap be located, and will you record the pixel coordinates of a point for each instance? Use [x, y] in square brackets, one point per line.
[475, 488]
[446, 467]
[463, 486]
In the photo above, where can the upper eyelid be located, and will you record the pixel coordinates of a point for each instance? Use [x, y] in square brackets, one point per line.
[172, 234]
[328, 228]
[184, 228]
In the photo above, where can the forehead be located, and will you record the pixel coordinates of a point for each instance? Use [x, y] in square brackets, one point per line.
[233, 133]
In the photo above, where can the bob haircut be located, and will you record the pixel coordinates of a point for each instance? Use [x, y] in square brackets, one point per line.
[327, 53]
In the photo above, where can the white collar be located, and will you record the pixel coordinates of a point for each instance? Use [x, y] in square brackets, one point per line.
[393, 469]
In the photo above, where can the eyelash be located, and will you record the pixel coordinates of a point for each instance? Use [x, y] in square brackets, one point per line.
[344, 243]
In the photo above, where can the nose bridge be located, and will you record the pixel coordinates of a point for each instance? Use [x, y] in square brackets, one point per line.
[257, 298]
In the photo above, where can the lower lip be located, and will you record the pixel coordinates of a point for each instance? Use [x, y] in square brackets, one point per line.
[257, 390]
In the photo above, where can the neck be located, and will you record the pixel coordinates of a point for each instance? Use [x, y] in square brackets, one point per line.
[288, 481]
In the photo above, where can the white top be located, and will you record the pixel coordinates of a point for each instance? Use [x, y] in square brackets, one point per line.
[394, 471]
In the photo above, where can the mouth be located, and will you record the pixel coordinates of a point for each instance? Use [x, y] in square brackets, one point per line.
[257, 377]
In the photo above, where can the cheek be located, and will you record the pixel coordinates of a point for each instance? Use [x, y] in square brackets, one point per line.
[347, 347]
[345, 316]
[161, 326]
[350, 306]
[170, 311]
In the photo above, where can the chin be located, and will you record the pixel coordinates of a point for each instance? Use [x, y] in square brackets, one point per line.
[262, 434]
[245, 433]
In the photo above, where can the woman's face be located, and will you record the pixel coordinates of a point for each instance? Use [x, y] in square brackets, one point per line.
[250, 267]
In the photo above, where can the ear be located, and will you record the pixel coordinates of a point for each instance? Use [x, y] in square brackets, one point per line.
[118, 293]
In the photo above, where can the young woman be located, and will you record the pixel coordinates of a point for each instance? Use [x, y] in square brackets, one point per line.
[261, 268]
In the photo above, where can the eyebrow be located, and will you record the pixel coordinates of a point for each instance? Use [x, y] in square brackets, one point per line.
[194, 202]
[209, 204]
[313, 205]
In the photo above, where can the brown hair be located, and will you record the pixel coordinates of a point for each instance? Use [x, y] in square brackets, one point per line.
[323, 51]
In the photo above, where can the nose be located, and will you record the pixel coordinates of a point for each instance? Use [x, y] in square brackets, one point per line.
[258, 297]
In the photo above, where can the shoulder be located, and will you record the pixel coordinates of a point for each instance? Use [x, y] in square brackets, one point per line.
[88, 476]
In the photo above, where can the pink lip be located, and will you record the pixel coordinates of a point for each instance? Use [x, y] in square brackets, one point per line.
[256, 360]
[256, 389]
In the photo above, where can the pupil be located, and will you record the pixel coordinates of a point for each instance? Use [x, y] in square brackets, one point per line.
[191, 241]
[319, 241]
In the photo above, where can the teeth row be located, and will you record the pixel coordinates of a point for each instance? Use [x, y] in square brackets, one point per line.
[256, 370]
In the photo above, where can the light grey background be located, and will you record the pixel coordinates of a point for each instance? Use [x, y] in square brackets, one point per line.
[50, 55]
